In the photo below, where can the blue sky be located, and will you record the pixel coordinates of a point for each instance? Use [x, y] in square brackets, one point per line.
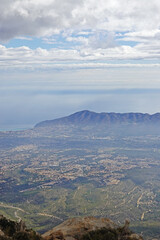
[57, 57]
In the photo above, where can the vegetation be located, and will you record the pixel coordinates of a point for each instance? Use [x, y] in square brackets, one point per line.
[12, 230]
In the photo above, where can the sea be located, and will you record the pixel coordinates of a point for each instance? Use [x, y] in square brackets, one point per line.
[15, 127]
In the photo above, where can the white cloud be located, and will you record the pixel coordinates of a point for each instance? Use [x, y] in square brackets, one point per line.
[26, 58]
[144, 36]
[93, 31]
[80, 39]
[102, 40]
[41, 18]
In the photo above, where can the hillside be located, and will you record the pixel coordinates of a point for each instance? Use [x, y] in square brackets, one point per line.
[51, 174]
[11, 230]
[86, 228]
[91, 228]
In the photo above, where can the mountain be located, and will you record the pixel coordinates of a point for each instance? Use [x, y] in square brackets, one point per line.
[86, 228]
[90, 228]
[86, 118]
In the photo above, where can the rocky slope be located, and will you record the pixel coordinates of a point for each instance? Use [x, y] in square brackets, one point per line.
[87, 228]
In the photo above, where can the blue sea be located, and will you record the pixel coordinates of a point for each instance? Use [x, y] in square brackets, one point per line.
[16, 127]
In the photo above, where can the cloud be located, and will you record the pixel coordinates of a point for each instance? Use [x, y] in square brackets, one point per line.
[83, 44]
[42, 18]
[34, 18]
[89, 56]
[144, 36]
[79, 32]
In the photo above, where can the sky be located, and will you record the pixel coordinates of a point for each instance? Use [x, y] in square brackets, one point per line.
[62, 56]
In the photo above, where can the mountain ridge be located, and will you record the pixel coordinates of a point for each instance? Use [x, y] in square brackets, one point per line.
[87, 117]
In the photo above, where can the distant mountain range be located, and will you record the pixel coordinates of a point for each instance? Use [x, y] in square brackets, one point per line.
[92, 118]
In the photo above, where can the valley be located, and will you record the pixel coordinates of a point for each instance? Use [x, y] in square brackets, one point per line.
[48, 175]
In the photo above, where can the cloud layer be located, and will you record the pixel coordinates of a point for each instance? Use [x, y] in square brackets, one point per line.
[41, 18]
[110, 30]
[60, 56]
[25, 58]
